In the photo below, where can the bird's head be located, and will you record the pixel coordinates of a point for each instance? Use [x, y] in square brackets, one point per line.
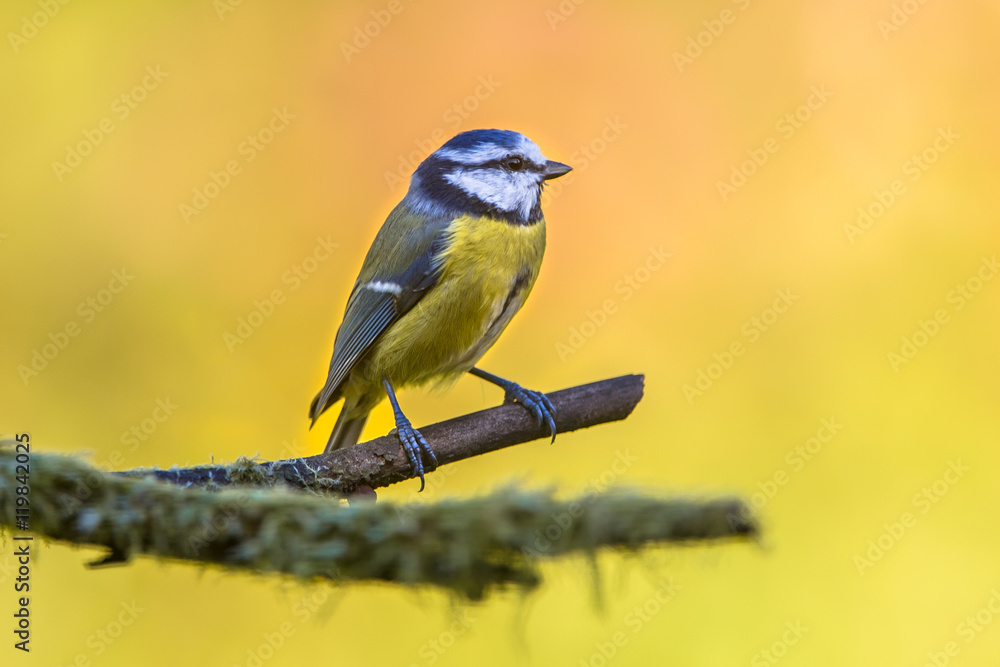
[496, 173]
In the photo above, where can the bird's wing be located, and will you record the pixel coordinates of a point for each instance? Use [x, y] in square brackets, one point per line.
[400, 268]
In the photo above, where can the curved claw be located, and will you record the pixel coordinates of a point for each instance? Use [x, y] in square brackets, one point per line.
[415, 447]
[537, 402]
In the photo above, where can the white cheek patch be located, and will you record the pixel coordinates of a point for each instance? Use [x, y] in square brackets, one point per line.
[511, 192]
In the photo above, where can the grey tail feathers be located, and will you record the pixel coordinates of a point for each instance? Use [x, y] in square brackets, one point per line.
[346, 432]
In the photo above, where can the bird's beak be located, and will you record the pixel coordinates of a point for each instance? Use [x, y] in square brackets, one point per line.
[555, 169]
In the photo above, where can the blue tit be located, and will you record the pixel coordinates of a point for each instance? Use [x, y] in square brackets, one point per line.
[451, 265]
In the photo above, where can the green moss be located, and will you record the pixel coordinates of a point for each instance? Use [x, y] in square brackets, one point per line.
[470, 546]
[247, 471]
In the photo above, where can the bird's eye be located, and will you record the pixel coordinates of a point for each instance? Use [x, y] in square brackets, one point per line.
[515, 163]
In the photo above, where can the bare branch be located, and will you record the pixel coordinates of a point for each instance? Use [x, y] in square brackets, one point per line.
[381, 461]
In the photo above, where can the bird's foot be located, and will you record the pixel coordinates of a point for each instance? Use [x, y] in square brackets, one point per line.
[415, 447]
[537, 403]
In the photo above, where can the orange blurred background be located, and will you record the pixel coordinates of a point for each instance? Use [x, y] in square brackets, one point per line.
[785, 215]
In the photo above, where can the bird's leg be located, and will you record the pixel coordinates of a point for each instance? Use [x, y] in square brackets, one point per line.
[536, 402]
[413, 443]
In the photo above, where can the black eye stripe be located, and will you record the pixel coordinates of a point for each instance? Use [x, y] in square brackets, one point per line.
[500, 163]
[453, 165]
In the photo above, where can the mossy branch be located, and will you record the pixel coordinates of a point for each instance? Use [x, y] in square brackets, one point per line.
[468, 546]
[381, 462]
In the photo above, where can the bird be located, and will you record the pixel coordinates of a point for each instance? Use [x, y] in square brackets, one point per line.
[451, 265]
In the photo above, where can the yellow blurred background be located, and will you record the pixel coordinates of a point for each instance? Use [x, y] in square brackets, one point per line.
[821, 339]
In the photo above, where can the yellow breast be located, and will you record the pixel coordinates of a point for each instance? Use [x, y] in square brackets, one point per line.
[487, 270]
[491, 253]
